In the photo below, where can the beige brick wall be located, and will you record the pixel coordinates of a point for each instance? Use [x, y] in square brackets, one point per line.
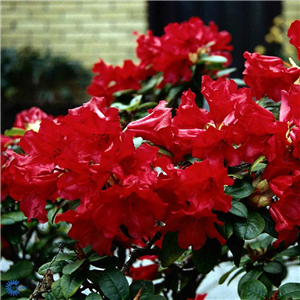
[87, 30]
[81, 30]
[291, 12]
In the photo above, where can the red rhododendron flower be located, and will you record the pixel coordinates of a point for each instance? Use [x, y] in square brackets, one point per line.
[111, 79]
[171, 53]
[290, 108]
[199, 189]
[31, 118]
[266, 75]
[294, 35]
[144, 272]
[148, 272]
[286, 214]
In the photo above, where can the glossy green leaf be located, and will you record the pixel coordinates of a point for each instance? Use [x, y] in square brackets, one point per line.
[146, 286]
[57, 290]
[214, 59]
[273, 267]
[12, 218]
[250, 228]
[240, 189]
[239, 209]
[156, 79]
[113, 284]
[71, 283]
[170, 250]
[208, 256]
[73, 266]
[14, 131]
[49, 296]
[105, 262]
[253, 274]
[225, 72]
[253, 290]
[22, 269]
[290, 252]
[254, 167]
[65, 256]
[130, 107]
[269, 223]
[289, 290]
[225, 275]
[236, 246]
[235, 275]
[94, 296]
[173, 92]
[55, 266]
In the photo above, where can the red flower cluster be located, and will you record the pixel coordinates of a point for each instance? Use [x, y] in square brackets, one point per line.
[27, 119]
[128, 191]
[173, 54]
[180, 46]
[267, 75]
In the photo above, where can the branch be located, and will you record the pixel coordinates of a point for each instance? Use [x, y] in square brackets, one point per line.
[139, 252]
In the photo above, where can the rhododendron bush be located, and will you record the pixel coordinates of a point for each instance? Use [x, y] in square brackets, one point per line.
[169, 170]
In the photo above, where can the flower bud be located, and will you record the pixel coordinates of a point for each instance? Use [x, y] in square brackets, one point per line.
[262, 196]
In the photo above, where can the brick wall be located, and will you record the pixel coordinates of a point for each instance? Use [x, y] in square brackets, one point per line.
[88, 30]
[291, 12]
[81, 30]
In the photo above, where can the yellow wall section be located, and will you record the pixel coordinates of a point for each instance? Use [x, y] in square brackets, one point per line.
[81, 30]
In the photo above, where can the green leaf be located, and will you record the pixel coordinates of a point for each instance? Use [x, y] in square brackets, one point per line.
[14, 131]
[105, 262]
[71, 283]
[254, 167]
[253, 290]
[94, 296]
[65, 256]
[12, 218]
[225, 275]
[235, 275]
[250, 228]
[73, 266]
[146, 286]
[170, 250]
[253, 274]
[49, 296]
[290, 252]
[113, 284]
[155, 297]
[156, 79]
[273, 267]
[236, 246]
[239, 209]
[57, 290]
[289, 290]
[240, 189]
[134, 103]
[225, 72]
[55, 267]
[214, 59]
[269, 222]
[22, 269]
[208, 256]
[173, 92]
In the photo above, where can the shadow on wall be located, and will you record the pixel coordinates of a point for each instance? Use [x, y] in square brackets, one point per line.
[247, 21]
